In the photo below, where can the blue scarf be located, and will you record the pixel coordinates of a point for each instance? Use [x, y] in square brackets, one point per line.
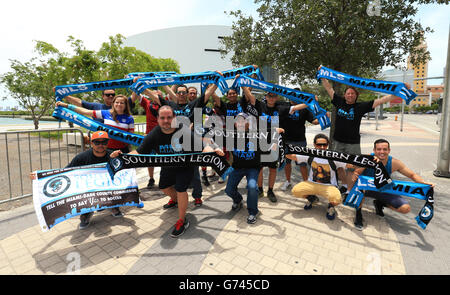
[65, 90]
[291, 94]
[231, 74]
[150, 74]
[396, 88]
[90, 124]
[405, 188]
[207, 77]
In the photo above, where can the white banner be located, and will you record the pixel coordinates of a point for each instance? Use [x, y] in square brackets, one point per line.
[61, 194]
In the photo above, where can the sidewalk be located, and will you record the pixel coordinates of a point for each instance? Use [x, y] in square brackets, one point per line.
[285, 240]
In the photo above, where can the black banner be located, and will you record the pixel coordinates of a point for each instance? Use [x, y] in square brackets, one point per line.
[213, 160]
[381, 177]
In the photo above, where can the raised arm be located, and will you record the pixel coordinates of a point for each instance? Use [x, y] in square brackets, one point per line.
[326, 84]
[77, 109]
[210, 91]
[171, 92]
[153, 95]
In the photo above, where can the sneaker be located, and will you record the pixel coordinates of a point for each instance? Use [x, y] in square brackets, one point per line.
[331, 212]
[198, 202]
[260, 193]
[85, 220]
[116, 212]
[171, 204]
[358, 220]
[236, 206]
[151, 183]
[286, 185]
[180, 228]
[251, 219]
[311, 200]
[271, 196]
[378, 207]
[205, 181]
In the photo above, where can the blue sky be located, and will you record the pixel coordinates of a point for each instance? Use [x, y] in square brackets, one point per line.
[94, 21]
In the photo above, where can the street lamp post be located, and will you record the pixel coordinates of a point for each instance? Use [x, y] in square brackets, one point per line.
[442, 169]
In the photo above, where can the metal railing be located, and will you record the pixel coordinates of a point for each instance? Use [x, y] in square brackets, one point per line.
[31, 150]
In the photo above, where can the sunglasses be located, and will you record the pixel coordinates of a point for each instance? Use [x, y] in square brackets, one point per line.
[181, 92]
[109, 94]
[100, 142]
[321, 144]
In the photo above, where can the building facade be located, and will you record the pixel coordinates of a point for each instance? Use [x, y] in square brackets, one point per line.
[195, 48]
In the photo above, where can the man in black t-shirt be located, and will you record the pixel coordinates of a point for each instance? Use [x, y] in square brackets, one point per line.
[246, 162]
[182, 107]
[346, 137]
[349, 112]
[271, 111]
[97, 154]
[173, 181]
[293, 122]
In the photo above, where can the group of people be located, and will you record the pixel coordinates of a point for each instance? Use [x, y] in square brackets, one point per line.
[320, 176]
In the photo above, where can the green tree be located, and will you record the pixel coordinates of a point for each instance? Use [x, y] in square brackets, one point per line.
[296, 36]
[31, 83]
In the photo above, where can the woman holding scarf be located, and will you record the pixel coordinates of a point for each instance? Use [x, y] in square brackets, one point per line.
[119, 116]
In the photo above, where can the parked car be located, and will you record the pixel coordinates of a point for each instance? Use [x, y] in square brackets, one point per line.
[372, 115]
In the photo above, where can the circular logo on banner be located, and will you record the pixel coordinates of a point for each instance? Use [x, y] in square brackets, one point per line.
[426, 213]
[56, 186]
[117, 164]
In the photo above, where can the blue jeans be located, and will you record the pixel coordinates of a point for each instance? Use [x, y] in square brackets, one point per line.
[252, 187]
[196, 184]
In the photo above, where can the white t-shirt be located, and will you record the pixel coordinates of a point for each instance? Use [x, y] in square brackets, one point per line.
[320, 170]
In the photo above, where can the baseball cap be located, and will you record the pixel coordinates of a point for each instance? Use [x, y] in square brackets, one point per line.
[99, 134]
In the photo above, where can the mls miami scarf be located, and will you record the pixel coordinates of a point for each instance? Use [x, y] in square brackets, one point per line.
[213, 160]
[65, 90]
[231, 74]
[396, 88]
[248, 71]
[207, 77]
[92, 125]
[381, 177]
[291, 94]
[405, 188]
[150, 74]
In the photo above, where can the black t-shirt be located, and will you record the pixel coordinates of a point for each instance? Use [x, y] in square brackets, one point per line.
[88, 158]
[230, 109]
[294, 124]
[158, 142]
[348, 119]
[271, 115]
[247, 156]
[185, 109]
[254, 110]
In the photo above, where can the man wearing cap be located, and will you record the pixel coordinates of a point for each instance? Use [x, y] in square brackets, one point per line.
[97, 154]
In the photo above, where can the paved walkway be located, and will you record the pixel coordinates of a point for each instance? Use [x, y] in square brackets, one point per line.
[285, 240]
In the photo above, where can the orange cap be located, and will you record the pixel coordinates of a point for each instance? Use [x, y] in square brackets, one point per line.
[99, 134]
